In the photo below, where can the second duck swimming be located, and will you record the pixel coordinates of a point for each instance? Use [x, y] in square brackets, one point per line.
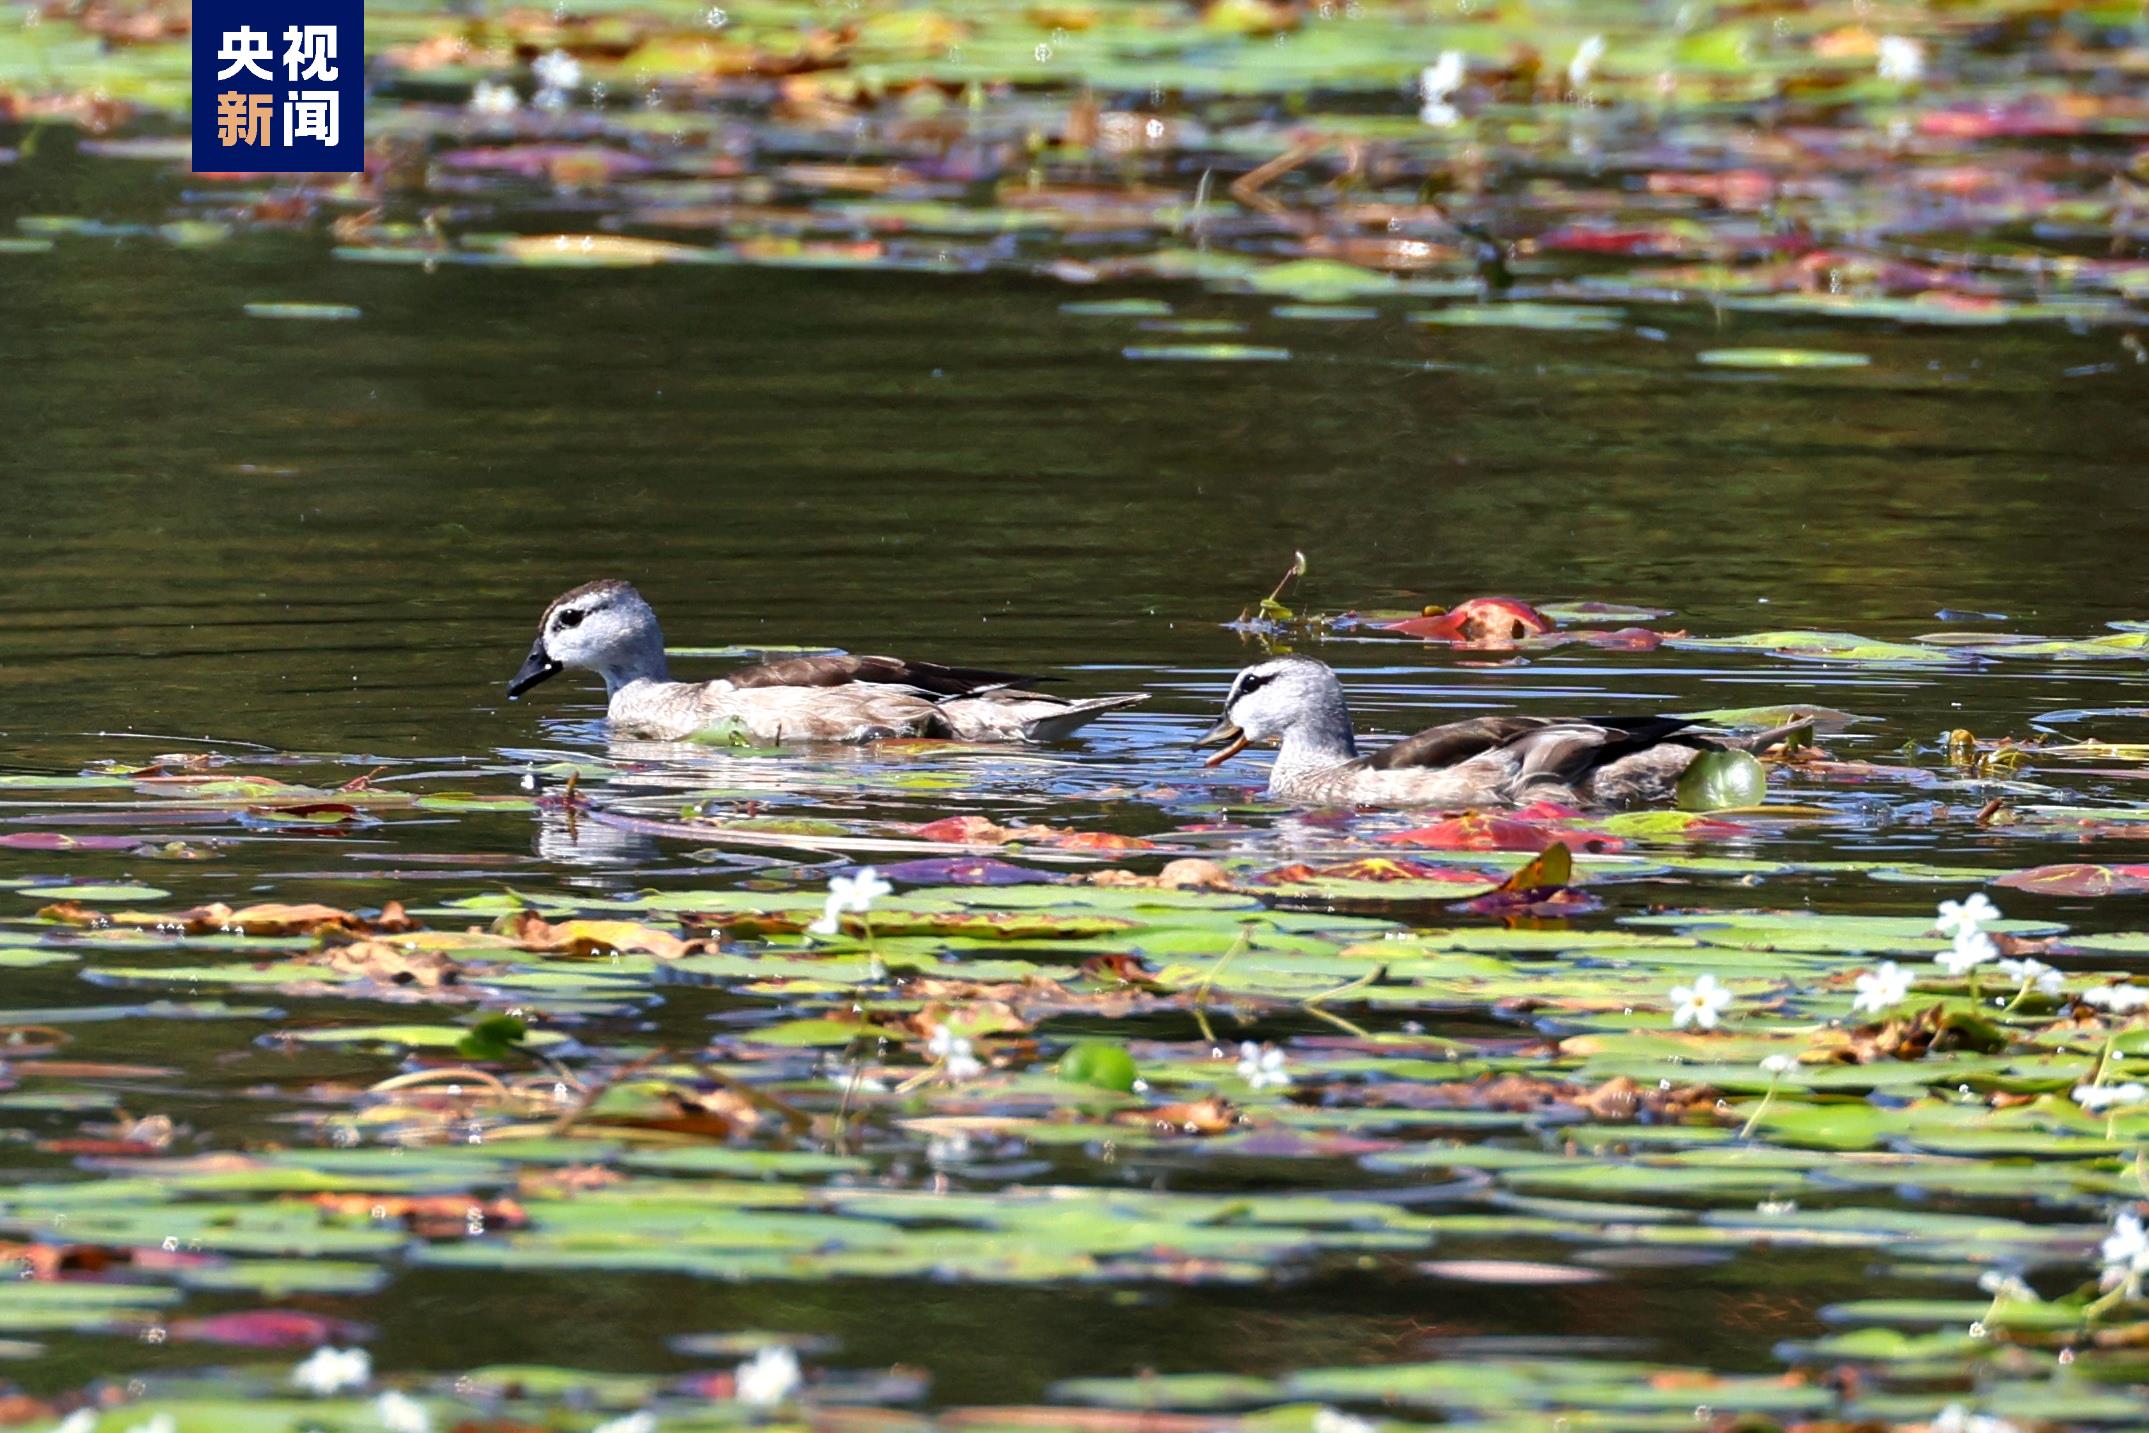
[1487, 761]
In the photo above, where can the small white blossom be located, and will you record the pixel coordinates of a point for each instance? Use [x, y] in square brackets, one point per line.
[1780, 1065]
[943, 1150]
[400, 1413]
[557, 70]
[2118, 999]
[1881, 989]
[958, 1060]
[1972, 911]
[1901, 60]
[1698, 1004]
[2126, 1253]
[333, 1370]
[2099, 1098]
[1584, 63]
[769, 1378]
[1957, 1419]
[1262, 1065]
[2033, 973]
[2008, 1287]
[849, 893]
[82, 1420]
[1972, 948]
[858, 892]
[493, 101]
[1330, 1420]
[642, 1422]
[1437, 86]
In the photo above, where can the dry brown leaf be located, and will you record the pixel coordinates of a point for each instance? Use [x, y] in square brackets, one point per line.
[387, 964]
[266, 919]
[588, 939]
[1214, 1115]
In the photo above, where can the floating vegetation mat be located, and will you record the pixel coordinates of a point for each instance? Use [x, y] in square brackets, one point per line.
[1563, 169]
[1173, 1044]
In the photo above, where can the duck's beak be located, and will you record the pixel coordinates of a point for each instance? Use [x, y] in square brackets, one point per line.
[1225, 734]
[535, 668]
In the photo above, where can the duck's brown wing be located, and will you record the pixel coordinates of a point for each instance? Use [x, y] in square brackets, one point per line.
[880, 671]
[1569, 752]
[1457, 741]
[1548, 745]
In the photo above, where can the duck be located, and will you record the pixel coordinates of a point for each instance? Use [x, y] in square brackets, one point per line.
[1297, 703]
[609, 628]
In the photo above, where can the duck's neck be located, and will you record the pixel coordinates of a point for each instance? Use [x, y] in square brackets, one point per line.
[1319, 743]
[644, 663]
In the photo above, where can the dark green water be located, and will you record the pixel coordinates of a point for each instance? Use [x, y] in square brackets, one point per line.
[332, 539]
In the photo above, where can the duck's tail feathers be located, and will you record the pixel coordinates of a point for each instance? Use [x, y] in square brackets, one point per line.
[1064, 721]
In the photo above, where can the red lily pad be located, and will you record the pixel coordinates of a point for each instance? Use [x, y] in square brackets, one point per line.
[2079, 879]
[1477, 831]
[1481, 619]
[267, 1328]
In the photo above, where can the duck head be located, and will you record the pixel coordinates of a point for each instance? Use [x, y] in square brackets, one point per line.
[603, 627]
[1293, 700]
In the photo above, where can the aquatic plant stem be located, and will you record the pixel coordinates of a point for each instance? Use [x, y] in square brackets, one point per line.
[1208, 980]
[1768, 1097]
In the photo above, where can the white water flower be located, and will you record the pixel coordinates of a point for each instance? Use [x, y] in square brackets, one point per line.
[1331, 1420]
[943, 1150]
[1437, 85]
[2125, 1252]
[1780, 1065]
[958, 1060]
[2118, 999]
[1584, 63]
[859, 891]
[2033, 973]
[767, 1379]
[1900, 60]
[82, 1420]
[1881, 989]
[2007, 1287]
[856, 892]
[333, 1370]
[641, 1422]
[557, 70]
[1972, 949]
[493, 101]
[1957, 1419]
[1262, 1065]
[1698, 1004]
[2096, 1099]
[1972, 911]
[400, 1413]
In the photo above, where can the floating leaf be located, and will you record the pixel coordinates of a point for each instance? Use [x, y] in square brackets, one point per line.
[1781, 358]
[1722, 779]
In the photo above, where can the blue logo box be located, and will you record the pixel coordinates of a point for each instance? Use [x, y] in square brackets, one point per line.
[279, 86]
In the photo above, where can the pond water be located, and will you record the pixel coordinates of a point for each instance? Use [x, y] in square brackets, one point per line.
[314, 551]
